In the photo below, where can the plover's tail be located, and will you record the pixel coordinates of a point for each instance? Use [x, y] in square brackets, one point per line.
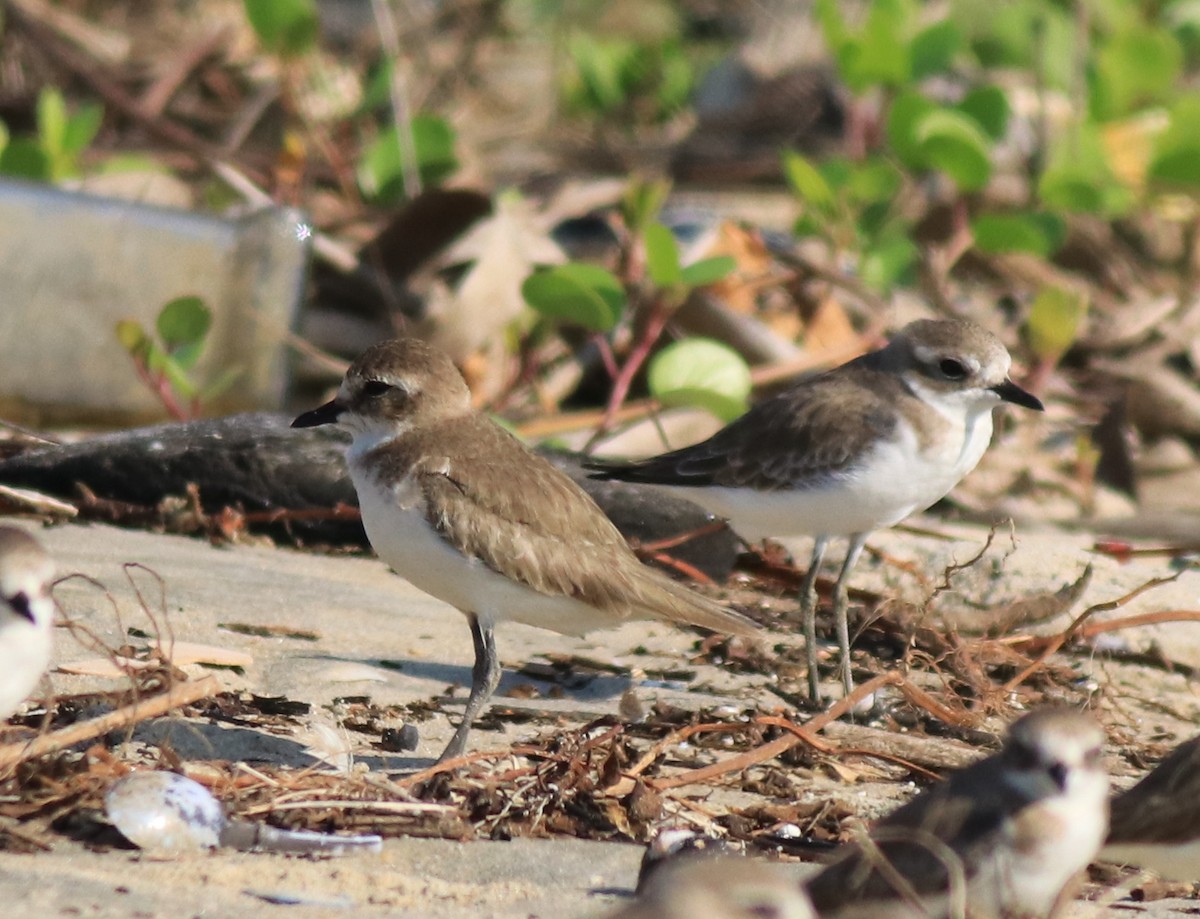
[656, 596]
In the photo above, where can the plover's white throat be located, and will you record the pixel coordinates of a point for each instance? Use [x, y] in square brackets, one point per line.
[849, 451]
[1004, 837]
[26, 616]
[467, 513]
[1156, 823]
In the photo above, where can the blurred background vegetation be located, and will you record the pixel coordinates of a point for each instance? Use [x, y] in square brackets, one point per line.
[601, 209]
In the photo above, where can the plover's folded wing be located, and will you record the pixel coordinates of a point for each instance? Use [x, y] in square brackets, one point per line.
[797, 438]
[570, 550]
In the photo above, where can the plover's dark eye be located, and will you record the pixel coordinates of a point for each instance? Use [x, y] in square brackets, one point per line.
[952, 369]
[373, 388]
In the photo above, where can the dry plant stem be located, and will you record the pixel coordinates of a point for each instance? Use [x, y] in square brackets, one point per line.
[799, 733]
[159, 94]
[81, 64]
[1048, 645]
[656, 321]
[177, 696]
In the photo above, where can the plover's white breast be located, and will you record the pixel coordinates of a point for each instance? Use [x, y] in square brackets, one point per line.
[897, 478]
[394, 518]
[24, 655]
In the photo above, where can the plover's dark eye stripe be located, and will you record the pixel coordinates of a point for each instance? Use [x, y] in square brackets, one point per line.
[375, 388]
[20, 604]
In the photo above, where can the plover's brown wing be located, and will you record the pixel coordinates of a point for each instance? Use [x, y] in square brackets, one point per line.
[794, 439]
[965, 815]
[1164, 807]
[562, 544]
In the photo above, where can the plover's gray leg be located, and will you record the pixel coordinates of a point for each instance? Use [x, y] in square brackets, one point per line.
[485, 674]
[808, 611]
[840, 602]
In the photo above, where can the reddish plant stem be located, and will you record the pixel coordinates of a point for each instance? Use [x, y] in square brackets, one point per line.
[656, 321]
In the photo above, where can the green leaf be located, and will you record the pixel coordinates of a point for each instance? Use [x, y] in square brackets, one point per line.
[1039, 234]
[23, 158]
[224, 380]
[807, 183]
[642, 201]
[434, 141]
[662, 256]
[3, 135]
[1078, 176]
[888, 262]
[879, 55]
[380, 166]
[701, 372]
[81, 129]
[176, 375]
[873, 181]
[1176, 159]
[955, 144]
[602, 69]
[182, 324]
[934, 48]
[987, 105]
[1055, 318]
[708, 270]
[132, 337]
[1134, 68]
[51, 121]
[674, 80]
[586, 295]
[285, 27]
[906, 114]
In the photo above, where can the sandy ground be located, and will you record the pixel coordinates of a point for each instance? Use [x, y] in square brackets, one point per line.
[378, 636]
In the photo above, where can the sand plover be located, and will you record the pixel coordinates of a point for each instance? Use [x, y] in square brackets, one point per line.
[467, 513]
[849, 451]
[1156, 823]
[26, 616]
[1003, 837]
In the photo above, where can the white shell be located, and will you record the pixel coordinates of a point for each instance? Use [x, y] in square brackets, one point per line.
[165, 812]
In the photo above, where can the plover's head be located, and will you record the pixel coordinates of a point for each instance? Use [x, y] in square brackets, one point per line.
[952, 361]
[394, 386]
[25, 575]
[1056, 752]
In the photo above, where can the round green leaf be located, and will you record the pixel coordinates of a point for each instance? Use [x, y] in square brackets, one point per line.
[907, 111]
[933, 49]
[1136, 67]
[183, 322]
[381, 164]
[988, 105]
[703, 373]
[1039, 234]
[586, 295]
[1055, 318]
[955, 144]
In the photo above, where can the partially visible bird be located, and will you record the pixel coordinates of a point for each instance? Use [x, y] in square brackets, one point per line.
[26, 616]
[1156, 823]
[1002, 838]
